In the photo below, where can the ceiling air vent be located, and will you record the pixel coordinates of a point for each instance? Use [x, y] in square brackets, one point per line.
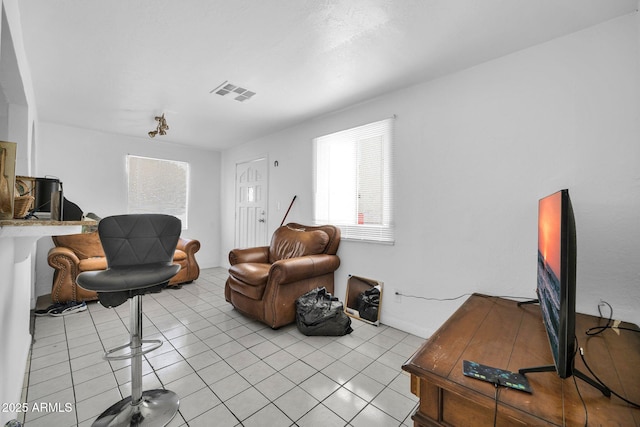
[241, 94]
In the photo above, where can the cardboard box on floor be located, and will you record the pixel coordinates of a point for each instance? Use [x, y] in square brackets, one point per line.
[355, 286]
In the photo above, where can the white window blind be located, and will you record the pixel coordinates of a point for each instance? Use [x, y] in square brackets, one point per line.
[353, 172]
[158, 186]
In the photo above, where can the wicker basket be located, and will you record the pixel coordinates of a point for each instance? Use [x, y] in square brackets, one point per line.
[21, 206]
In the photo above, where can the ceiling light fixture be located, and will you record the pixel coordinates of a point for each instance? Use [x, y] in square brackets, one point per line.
[225, 88]
[162, 127]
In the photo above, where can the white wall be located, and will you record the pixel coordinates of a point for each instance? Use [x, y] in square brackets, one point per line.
[475, 151]
[17, 104]
[16, 117]
[92, 167]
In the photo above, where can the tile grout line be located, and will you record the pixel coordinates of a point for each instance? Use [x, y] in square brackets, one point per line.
[22, 417]
[73, 386]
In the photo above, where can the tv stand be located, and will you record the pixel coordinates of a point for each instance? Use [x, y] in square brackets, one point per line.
[497, 332]
[551, 368]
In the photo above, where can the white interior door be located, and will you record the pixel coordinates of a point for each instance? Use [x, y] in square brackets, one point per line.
[251, 203]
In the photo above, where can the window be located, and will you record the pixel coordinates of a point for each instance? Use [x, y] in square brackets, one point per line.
[158, 186]
[352, 181]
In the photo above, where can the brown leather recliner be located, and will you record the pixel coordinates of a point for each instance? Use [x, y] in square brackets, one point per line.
[264, 282]
[76, 253]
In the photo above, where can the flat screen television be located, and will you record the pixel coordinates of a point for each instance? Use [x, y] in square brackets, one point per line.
[557, 277]
[556, 288]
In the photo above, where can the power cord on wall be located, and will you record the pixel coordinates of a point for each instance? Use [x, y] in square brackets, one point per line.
[430, 298]
[458, 297]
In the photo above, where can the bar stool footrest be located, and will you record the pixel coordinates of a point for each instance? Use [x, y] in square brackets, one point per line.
[109, 354]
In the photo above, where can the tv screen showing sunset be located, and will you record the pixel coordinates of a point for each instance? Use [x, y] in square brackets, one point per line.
[549, 274]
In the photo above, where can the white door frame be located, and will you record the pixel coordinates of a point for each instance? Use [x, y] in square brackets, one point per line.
[251, 202]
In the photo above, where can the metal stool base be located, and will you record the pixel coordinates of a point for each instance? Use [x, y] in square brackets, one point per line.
[156, 408]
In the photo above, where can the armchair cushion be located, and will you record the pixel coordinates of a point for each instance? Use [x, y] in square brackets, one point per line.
[86, 245]
[290, 242]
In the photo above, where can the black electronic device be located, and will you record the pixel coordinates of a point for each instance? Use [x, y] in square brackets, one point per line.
[45, 189]
[496, 376]
[49, 198]
[556, 289]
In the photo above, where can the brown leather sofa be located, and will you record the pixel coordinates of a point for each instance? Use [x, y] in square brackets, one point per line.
[76, 253]
[264, 282]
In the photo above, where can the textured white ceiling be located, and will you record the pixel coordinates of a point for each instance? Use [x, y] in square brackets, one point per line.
[113, 65]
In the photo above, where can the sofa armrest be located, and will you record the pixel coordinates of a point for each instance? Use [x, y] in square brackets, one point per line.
[65, 264]
[258, 255]
[294, 269]
[60, 254]
[190, 247]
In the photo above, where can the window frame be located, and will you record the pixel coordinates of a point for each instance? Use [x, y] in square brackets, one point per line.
[352, 229]
[158, 209]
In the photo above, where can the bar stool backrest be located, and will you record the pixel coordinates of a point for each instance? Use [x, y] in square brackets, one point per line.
[139, 239]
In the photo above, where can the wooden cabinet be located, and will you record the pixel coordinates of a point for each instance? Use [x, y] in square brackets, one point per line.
[499, 333]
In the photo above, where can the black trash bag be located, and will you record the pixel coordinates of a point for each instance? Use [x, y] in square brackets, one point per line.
[318, 313]
[368, 303]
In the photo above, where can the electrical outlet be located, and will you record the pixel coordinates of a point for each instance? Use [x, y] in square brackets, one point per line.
[398, 295]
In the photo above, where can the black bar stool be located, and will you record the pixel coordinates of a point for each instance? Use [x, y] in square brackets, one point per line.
[139, 251]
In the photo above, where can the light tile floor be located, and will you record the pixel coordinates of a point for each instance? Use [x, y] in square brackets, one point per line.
[227, 369]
